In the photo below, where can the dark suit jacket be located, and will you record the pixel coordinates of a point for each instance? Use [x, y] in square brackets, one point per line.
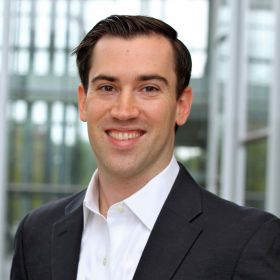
[196, 236]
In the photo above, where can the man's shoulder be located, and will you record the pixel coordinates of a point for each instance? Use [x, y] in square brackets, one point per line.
[217, 211]
[218, 208]
[222, 212]
[54, 211]
[213, 205]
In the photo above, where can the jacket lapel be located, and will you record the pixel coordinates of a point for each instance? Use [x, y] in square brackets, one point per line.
[66, 240]
[174, 232]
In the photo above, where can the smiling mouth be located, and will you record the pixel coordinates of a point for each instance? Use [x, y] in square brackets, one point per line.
[124, 135]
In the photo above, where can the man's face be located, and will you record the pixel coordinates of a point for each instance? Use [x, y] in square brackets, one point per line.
[130, 106]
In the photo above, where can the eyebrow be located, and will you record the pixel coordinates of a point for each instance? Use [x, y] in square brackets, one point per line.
[140, 78]
[104, 77]
[153, 77]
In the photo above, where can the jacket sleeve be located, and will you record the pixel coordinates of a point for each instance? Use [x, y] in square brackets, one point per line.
[260, 257]
[18, 271]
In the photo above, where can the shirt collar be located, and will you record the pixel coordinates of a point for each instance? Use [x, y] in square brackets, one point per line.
[91, 202]
[146, 203]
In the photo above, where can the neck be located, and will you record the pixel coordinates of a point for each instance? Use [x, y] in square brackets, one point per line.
[112, 191]
[115, 187]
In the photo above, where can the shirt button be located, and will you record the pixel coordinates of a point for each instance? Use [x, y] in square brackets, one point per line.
[120, 209]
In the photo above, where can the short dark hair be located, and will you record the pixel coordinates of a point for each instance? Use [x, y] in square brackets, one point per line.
[125, 26]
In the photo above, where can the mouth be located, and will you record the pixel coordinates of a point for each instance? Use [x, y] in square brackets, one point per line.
[125, 135]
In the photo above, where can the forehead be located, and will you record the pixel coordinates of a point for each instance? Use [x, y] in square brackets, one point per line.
[140, 53]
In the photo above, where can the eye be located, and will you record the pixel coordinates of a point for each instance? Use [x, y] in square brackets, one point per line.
[106, 88]
[150, 89]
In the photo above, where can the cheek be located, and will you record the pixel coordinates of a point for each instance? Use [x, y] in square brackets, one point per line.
[162, 113]
[96, 109]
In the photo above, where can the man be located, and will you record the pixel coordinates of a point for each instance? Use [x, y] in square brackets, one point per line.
[142, 216]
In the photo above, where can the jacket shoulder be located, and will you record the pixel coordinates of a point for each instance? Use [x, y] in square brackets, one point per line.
[53, 211]
[227, 211]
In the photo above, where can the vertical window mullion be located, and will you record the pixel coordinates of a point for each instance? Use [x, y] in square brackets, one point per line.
[273, 161]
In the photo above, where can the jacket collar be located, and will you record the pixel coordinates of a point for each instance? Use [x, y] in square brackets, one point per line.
[66, 240]
[174, 232]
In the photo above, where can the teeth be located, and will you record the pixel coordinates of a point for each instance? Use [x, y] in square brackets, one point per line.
[124, 135]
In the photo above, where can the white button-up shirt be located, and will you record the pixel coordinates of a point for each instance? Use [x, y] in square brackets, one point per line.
[111, 247]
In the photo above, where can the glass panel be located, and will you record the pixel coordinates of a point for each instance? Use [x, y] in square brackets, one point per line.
[199, 58]
[71, 114]
[156, 8]
[258, 98]
[57, 112]
[194, 38]
[19, 111]
[42, 32]
[72, 119]
[43, 7]
[57, 134]
[261, 36]
[70, 138]
[72, 70]
[61, 7]
[194, 159]
[261, 4]
[75, 8]
[60, 32]
[59, 63]
[25, 7]
[256, 173]
[261, 43]
[24, 31]
[23, 62]
[75, 34]
[39, 112]
[41, 63]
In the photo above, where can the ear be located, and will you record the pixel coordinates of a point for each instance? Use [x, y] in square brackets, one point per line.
[82, 97]
[184, 104]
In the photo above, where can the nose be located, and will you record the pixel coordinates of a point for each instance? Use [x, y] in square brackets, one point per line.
[125, 107]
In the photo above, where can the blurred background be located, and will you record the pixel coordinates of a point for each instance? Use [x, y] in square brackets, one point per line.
[231, 143]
